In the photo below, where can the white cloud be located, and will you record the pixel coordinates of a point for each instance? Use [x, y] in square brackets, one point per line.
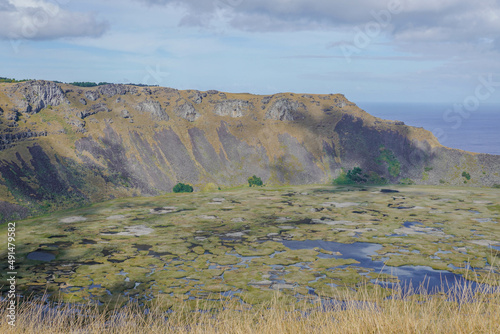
[451, 21]
[43, 20]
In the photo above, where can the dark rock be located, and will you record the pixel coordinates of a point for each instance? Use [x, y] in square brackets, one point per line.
[223, 96]
[266, 99]
[12, 116]
[78, 124]
[96, 108]
[114, 89]
[154, 108]
[212, 91]
[83, 101]
[286, 110]
[187, 111]
[12, 212]
[388, 191]
[92, 95]
[196, 97]
[233, 108]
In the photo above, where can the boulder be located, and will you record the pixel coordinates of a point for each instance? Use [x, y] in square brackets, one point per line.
[286, 110]
[96, 108]
[125, 113]
[78, 124]
[187, 111]
[154, 108]
[196, 97]
[233, 108]
[92, 95]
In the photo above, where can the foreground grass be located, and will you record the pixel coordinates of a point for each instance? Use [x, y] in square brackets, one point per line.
[366, 311]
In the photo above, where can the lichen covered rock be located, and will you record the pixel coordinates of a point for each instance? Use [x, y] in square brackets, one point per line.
[187, 111]
[96, 108]
[154, 108]
[233, 108]
[37, 95]
[111, 90]
[286, 110]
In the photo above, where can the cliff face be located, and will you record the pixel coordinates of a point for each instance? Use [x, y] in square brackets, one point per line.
[61, 144]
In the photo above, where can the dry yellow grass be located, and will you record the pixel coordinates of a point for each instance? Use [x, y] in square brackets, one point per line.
[364, 312]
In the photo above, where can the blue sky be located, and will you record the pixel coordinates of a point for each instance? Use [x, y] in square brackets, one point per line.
[392, 51]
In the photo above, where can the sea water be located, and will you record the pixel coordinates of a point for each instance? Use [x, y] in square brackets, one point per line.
[454, 126]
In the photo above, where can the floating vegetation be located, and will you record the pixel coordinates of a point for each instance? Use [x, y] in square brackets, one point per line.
[248, 244]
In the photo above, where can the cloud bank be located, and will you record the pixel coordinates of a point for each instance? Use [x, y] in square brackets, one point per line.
[453, 21]
[45, 20]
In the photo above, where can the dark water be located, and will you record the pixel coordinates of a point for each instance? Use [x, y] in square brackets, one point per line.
[415, 276]
[475, 131]
[41, 256]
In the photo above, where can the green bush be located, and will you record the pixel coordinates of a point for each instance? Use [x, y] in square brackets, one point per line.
[375, 179]
[342, 179]
[183, 188]
[407, 181]
[255, 181]
[356, 176]
[466, 175]
[387, 156]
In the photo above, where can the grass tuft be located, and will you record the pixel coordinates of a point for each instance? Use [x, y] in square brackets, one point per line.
[459, 310]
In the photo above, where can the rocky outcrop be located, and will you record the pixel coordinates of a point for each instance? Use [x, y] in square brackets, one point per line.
[37, 95]
[92, 95]
[12, 116]
[197, 97]
[96, 108]
[286, 110]
[79, 125]
[9, 138]
[233, 108]
[111, 90]
[9, 211]
[187, 111]
[154, 108]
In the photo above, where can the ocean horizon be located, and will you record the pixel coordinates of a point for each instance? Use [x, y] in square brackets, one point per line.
[474, 131]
